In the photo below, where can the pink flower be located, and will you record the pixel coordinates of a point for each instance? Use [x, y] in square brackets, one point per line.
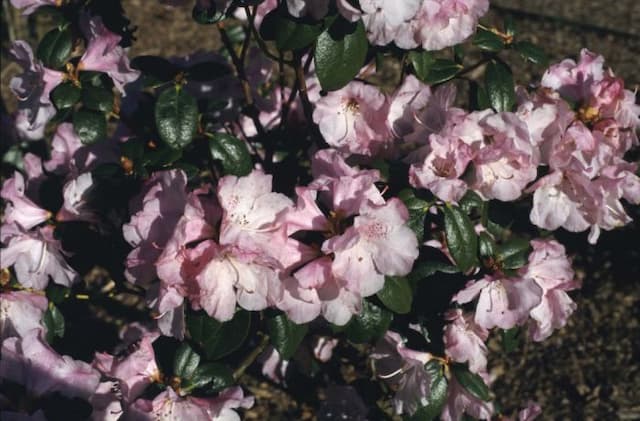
[36, 256]
[20, 312]
[504, 302]
[103, 54]
[32, 88]
[353, 119]
[317, 9]
[273, 366]
[154, 216]
[404, 369]
[31, 362]
[30, 6]
[323, 348]
[443, 23]
[77, 193]
[411, 97]
[385, 20]
[134, 368]
[460, 402]
[574, 80]
[440, 171]
[464, 340]
[378, 244]
[506, 161]
[20, 209]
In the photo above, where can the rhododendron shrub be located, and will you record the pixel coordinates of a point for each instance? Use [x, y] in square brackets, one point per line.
[268, 207]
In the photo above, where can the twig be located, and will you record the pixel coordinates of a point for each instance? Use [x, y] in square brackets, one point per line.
[249, 359]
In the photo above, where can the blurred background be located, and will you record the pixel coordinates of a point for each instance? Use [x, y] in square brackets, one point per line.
[590, 370]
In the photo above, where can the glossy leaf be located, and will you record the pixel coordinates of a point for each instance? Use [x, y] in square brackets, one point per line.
[471, 382]
[500, 87]
[97, 99]
[219, 339]
[396, 294]
[510, 339]
[55, 48]
[65, 95]
[285, 335]
[488, 40]
[421, 61]
[90, 126]
[486, 245]
[372, 323]
[514, 253]
[438, 387]
[294, 34]
[340, 53]
[217, 375]
[185, 362]
[232, 153]
[441, 71]
[531, 52]
[423, 269]
[54, 322]
[461, 237]
[176, 115]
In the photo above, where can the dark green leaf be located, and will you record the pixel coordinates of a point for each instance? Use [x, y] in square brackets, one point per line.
[176, 115]
[370, 324]
[478, 97]
[421, 61]
[488, 40]
[219, 339]
[486, 245]
[218, 375]
[185, 362]
[340, 53]
[424, 269]
[441, 71]
[514, 253]
[294, 34]
[97, 99]
[417, 210]
[232, 153]
[54, 322]
[396, 294]
[530, 51]
[285, 335]
[90, 126]
[509, 26]
[208, 70]
[438, 393]
[470, 201]
[471, 381]
[461, 237]
[55, 48]
[500, 88]
[57, 293]
[510, 339]
[65, 95]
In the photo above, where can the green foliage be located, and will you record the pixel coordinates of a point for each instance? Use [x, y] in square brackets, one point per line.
[396, 294]
[438, 387]
[285, 335]
[90, 126]
[65, 95]
[55, 48]
[461, 237]
[471, 381]
[176, 115]
[232, 153]
[372, 323]
[54, 322]
[500, 87]
[216, 338]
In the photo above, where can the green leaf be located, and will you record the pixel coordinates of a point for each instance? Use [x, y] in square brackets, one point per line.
[486, 245]
[65, 95]
[232, 153]
[294, 34]
[285, 335]
[470, 201]
[55, 48]
[421, 61]
[424, 269]
[219, 339]
[218, 375]
[159, 68]
[510, 339]
[438, 387]
[488, 40]
[56, 293]
[500, 88]
[97, 99]
[461, 237]
[90, 126]
[340, 53]
[185, 362]
[208, 70]
[441, 71]
[372, 323]
[417, 210]
[54, 322]
[396, 294]
[176, 115]
[471, 381]
[514, 253]
[531, 52]
[510, 26]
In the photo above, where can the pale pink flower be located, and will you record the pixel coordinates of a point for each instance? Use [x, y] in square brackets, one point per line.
[384, 20]
[29, 6]
[353, 119]
[323, 348]
[31, 362]
[77, 194]
[317, 9]
[273, 366]
[20, 312]
[20, 209]
[103, 54]
[460, 402]
[464, 340]
[404, 105]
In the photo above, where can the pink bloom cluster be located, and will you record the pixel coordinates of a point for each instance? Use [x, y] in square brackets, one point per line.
[237, 248]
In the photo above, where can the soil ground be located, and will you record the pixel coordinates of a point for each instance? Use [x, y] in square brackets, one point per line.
[590, 370]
